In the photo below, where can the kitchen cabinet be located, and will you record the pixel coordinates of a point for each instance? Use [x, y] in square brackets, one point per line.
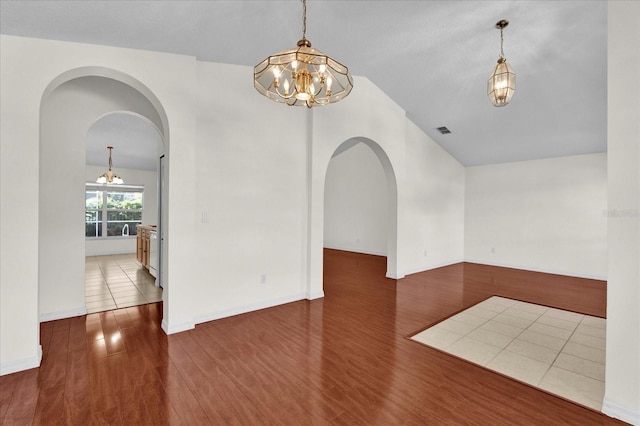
[143, 244]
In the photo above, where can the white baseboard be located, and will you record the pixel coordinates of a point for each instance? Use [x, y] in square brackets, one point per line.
[22, 364]
[176, 328]
[357, 250]
[394, 276]
[249, 308]
[617, 411]
[430, 267]
[315, 295]
[69, 313]
[543, 270]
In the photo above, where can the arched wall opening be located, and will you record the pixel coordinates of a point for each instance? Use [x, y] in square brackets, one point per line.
[361, 201]
[70, 105]
[137, 145]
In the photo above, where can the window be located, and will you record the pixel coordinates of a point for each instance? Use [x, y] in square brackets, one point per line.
[112, 211]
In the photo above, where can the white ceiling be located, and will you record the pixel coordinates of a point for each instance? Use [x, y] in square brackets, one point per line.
[135, 142]
[432, 57]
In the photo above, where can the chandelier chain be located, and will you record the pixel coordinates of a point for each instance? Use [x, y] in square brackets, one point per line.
[304, 19]
[501, 43]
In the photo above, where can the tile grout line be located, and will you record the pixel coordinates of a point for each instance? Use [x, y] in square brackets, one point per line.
[515, 337]
[577, 356]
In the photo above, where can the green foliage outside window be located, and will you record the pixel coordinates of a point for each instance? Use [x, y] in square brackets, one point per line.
[112, 213]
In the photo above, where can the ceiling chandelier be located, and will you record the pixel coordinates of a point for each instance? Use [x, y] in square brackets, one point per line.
[502, 83]
[109, 177]
[303, 75]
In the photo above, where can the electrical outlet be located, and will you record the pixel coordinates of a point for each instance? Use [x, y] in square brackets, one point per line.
[493, 249]
[263, 278]
[425, 252]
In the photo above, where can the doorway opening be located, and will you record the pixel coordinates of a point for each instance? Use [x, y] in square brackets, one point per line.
[122, 220]
[76, 107]
[360, 203]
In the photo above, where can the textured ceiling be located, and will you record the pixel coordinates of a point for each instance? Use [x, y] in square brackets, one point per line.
[135, 140]
[432, 57]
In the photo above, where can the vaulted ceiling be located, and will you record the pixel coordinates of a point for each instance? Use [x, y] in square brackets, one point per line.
[432, 57]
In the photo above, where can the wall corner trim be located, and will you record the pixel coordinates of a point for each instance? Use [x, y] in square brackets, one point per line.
[176, 328]
[617, 411]
[22, 364]
[431, 267]
[395, 276]
[315, 295]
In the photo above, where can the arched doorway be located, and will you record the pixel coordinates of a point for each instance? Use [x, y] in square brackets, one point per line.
[355, 201]
[391, 228]
[117, 275]
[70, 105]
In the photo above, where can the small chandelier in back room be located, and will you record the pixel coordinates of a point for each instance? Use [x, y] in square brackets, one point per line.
[502, 83]
[109, 177]
[302, 76]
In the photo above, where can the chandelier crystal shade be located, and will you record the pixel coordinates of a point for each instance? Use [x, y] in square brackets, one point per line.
[109, 177]
[502, 82]
[302, 76]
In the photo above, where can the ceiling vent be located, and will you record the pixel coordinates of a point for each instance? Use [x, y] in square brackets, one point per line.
[444, 130]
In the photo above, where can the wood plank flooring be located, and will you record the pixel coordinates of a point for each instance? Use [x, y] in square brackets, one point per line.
[340, 360]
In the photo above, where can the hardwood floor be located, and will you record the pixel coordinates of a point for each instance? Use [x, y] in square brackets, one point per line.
[342, 360]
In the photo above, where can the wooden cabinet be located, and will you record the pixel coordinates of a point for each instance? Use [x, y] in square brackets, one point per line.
[143, 245]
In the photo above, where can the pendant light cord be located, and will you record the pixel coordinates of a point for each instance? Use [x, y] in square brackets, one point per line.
[304, 19]
[110, 162]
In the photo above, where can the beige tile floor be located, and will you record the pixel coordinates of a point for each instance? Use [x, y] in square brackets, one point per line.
[559, 351]
[117, 281]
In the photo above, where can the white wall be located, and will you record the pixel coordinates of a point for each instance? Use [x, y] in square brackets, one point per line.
[148, 179]
[19, 176]
[29, 66]
[543, 215]
[431, 220]
[433, 200]
[622, 389]
[250, 182]
[355, 202]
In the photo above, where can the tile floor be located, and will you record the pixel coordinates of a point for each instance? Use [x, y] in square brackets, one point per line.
[117, 281]
[559, 351]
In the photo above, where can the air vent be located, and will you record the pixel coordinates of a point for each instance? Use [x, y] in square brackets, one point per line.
[444, 130]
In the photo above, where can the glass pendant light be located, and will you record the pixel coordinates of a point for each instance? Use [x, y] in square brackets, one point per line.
[302, 76]
[502, 82]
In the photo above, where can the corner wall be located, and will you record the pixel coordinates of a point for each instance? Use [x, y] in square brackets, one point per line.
[432, 219]
[542, 215]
